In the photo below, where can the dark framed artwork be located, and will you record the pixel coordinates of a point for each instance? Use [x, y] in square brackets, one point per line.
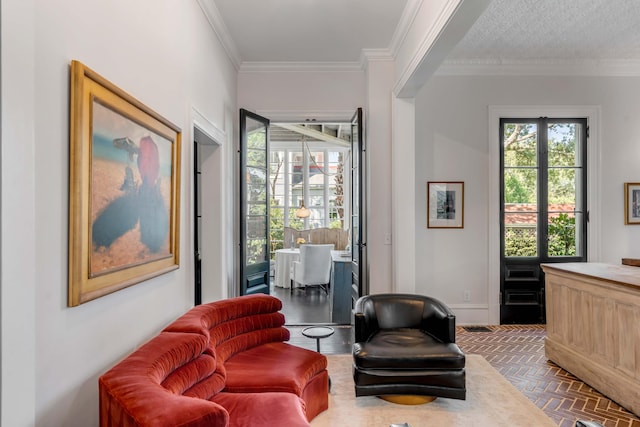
[445, 204]
[124, 182]
[632, 203]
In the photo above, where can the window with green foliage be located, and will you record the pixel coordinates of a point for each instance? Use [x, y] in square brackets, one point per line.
[543, 187]
[318, 177]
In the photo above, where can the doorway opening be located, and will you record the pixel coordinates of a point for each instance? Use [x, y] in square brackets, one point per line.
[310, 166]
[317, 192]
[208, 218]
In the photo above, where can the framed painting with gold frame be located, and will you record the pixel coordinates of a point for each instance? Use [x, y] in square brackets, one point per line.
[124, 189]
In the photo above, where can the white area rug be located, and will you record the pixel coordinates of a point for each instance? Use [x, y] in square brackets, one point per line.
[491, 401]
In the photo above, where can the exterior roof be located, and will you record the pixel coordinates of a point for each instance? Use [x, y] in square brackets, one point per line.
[525, 213]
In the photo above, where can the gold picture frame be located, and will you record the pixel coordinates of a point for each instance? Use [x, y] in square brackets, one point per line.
[632, 203]
[445, 204]
[124, 189]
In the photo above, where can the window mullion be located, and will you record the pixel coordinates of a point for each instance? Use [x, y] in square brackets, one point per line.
[543, 181]
[325, 192]
[287, 188]
[305, 181]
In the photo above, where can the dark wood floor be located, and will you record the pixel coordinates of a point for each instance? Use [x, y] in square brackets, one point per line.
[304, 307]
[516, 351]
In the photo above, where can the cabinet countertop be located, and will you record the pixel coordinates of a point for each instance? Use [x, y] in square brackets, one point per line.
[619, 274]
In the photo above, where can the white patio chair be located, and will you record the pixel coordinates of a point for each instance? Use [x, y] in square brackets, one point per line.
[314, 267]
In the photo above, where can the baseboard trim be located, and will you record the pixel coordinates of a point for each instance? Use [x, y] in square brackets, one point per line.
[471, 314]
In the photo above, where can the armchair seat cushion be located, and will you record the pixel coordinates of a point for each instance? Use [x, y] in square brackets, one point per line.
[406, 348]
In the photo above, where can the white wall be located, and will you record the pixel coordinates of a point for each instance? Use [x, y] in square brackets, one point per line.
[18, 212]
[434, 28]
[380, 78]
[452, 144]
[165, 54]
[291, 94]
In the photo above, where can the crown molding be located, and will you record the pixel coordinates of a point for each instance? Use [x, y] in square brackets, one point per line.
[540, 67]
[371, 55]
[366, 56]
[401, 88]
[284, 66]
[406, 21]
[217, 23]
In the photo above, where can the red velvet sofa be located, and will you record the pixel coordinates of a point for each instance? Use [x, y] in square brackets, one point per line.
[220, 364]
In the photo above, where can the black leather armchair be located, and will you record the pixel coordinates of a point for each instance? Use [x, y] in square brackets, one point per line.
[404, 344]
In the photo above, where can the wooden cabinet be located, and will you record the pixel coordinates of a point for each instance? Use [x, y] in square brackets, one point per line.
[593, 326]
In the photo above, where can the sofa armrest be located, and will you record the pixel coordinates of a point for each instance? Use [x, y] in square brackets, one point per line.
[142, 405]
[146, 388]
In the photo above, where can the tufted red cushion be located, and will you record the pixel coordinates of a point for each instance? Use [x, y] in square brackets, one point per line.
[236, 324]
[202, 318]
[290, 369]
[263, 409]
[132, 393]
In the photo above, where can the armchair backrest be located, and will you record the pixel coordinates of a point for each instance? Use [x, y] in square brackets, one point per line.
[393, 311]
[315, 265]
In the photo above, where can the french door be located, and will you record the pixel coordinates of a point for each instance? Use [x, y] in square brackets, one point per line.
[254, 204]
[543, 192]
[254, 207]
[359, 266]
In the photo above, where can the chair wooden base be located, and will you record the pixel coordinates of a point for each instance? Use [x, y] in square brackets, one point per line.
[408, 399]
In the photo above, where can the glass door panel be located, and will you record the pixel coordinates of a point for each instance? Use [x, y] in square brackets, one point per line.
[254, 204]
[358, 206]
[543, 208]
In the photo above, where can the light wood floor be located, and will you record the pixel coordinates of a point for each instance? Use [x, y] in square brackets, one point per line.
[516, 351]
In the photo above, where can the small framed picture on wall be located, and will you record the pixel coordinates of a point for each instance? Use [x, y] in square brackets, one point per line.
[632, 202]
[445, 204]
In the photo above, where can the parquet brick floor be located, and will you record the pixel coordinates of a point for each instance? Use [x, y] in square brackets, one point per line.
[517, 352]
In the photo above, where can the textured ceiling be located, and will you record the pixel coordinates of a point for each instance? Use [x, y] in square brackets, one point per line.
[554, 29]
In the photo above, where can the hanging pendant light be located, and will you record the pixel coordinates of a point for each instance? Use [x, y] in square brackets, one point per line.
[302, 211]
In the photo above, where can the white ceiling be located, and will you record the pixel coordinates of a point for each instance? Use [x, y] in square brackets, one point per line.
[337, 31]
[309, 30]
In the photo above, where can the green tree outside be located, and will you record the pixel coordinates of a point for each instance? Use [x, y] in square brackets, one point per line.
[520, 185]
[276, 214]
